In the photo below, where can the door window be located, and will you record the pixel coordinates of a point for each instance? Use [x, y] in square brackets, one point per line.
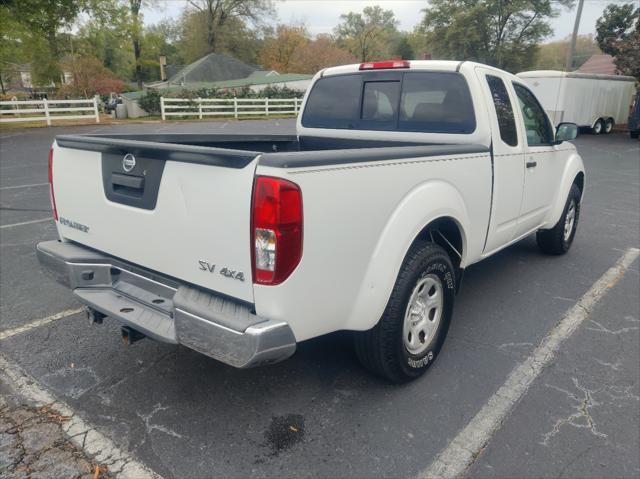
[536, 123]
[504, 111]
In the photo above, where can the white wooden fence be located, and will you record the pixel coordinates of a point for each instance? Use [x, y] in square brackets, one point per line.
[232, 107]
[48, 110]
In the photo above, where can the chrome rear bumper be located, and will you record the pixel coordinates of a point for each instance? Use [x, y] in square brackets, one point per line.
[167, 310]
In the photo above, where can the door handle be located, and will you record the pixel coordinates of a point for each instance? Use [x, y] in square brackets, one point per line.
[531, 164]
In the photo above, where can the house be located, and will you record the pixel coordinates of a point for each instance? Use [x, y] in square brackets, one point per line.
[19, 78]
[599, 63]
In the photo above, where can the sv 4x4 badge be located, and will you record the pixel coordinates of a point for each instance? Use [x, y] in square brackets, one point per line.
[226, 272]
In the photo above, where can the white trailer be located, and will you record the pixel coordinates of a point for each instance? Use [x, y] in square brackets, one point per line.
[589, 100]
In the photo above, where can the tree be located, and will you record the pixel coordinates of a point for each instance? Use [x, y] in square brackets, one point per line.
[157, 40]
[552, 55]
[628, 59]
[320, 53]
[618, 34]
[366, 35]
[278, 51]
[89, 76]
[44, 19]
[235, 37]
[136, 27]
[616, 25]
[502, 33]
[12, 48]
[217, 12]
[105, 35]
[402, 47]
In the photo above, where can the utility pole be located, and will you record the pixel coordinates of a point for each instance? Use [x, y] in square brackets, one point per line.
[574, 36]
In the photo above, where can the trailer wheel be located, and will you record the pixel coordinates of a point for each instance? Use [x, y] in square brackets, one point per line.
[634, 134]
[608, 126]
[597, 127]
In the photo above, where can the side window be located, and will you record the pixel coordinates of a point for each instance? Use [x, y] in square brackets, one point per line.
[380, 100]
[502, 104]
[536, 123]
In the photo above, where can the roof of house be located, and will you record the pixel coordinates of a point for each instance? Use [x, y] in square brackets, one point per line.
[239, 83]
[265, 79]
[599, 63]
[213, 67]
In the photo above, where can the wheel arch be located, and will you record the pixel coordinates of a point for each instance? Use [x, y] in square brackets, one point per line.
[445, 219]
[448, 233]
[574, 173]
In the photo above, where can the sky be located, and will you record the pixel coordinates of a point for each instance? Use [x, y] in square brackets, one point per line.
[321, 16]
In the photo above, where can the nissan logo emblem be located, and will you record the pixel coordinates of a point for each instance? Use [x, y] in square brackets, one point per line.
[128, 162]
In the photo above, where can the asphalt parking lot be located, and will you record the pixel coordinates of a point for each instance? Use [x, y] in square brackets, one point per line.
[320, 414]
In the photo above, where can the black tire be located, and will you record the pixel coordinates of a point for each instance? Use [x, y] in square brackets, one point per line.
[598, 127]
[382, 349]
[634, 134]
[608, 126]
[554, 241]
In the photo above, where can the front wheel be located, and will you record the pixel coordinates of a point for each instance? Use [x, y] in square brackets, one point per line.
[414, 325]
[558, 239]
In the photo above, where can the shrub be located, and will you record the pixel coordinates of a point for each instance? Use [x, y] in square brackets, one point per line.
[150, 101]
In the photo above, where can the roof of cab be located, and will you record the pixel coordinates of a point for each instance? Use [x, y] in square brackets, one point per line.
[431, 65]
[442, 65]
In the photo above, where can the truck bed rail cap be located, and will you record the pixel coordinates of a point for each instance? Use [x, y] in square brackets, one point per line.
[362, 155]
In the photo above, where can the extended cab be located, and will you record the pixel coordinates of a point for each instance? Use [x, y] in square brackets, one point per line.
[400, 176]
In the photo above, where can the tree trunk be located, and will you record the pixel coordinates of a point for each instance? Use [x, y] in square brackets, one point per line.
[211, 35]
[135, 37]
[136, 54]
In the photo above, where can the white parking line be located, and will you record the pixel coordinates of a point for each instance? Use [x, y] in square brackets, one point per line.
[465, 447]
[7, 333]
[26, 223]
[23, 186]
[81, 433]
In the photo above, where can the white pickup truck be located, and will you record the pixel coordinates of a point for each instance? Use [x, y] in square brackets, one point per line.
[400, 176]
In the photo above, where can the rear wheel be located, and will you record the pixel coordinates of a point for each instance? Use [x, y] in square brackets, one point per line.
[414, 325]
[597, 128]
[558, 239]
[608, 126]
[634, 134]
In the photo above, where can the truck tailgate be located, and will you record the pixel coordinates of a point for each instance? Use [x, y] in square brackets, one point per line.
[180, 210]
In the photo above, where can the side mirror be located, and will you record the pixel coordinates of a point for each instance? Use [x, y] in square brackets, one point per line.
[566, 132]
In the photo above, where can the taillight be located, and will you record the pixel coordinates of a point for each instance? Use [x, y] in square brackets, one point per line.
[51, 194]
[386, 65]
[276, 229]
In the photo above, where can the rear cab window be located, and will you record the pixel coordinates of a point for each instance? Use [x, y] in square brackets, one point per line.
[430, 102]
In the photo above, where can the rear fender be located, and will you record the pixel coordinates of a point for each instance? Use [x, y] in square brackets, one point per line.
[420, 207]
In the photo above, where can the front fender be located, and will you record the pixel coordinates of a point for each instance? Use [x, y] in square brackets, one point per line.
[424, 204]
[573, 167]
